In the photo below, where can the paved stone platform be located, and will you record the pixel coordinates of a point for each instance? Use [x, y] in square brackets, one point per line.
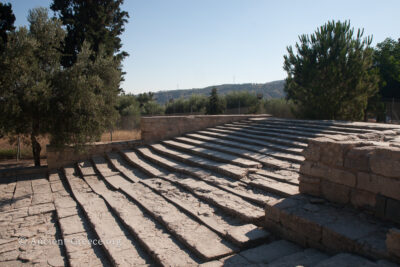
[195, 200]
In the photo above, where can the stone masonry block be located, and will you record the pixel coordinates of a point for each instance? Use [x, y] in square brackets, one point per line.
[335, 192]
[363, 199]
[392, 211]
[313, 151]
[309, 185]
[358, 158]
[393, 242]
[389, 187]
[332, 153]
[274, 208]
[386, 161]
[332, 174]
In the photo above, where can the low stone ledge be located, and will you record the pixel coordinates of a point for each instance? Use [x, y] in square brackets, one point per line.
[22, 171]
[58, 157]
[313, 222]
[164, 127]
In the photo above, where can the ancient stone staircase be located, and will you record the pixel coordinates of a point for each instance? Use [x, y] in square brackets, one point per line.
[220, 196]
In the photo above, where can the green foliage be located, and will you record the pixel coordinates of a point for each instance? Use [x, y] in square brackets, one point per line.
[241, 98]
[100, 23]
[7, 20]
[152, 108]
[330, 77]
[268, 90]
[128, 105]
[143, 98]
[85, 97]
[195, 104]
[280, 108]
[387, 60]
[216, 105]
[29, 62]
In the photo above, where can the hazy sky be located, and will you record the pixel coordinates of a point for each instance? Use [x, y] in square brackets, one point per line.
[196, 43]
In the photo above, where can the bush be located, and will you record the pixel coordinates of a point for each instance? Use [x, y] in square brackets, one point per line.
[280, 108]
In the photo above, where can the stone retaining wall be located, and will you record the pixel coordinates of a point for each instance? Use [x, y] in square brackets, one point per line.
[349, 170]
[59, 157]
[165, 127]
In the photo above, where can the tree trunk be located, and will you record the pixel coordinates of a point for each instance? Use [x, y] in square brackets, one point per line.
[36, 148]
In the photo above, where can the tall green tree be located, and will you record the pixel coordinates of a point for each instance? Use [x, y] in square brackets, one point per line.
[84, 99]
[7, 20]
[215, 104]
[387, 60]
[29, 62]
[98, 22]
[331, 75]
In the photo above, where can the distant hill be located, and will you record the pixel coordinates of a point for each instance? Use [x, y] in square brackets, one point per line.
[269, 90]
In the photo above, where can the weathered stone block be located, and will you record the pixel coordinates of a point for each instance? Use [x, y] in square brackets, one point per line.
[332, 153]
[274, 208]
[313, 151]
[309, 185]
[358, 158]
[389, 187]
[363, 199]
[330, 173]
[392, 211]
[335, 242]
[386, 161]
[299, 224]
[393, 242]
[335, 192]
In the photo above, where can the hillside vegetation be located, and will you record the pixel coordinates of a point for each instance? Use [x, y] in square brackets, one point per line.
[268, 90]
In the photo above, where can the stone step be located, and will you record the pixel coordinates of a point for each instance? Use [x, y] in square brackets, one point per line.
[275, 140]
[268, 253]
[212, 154]
[241, 234]
[222, 168]
[279, 188]
[261, 132]
[205, 243]
[75, 226]
[315, 223]
[105, 169]
[7, 189]
[163, 247]
[239, 188]
[255, 156]
[307, 257]
[366, 126]
[252, 141]
[346, 259]
[230, 203]
[260, 256]
[241, 145]
[288, 177]
[283, 254]
[291, 129]
[123, 167]
[350, 127]
[134, 160]
[121, 248]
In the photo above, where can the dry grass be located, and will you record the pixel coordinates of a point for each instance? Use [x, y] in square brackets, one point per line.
[9, 151]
